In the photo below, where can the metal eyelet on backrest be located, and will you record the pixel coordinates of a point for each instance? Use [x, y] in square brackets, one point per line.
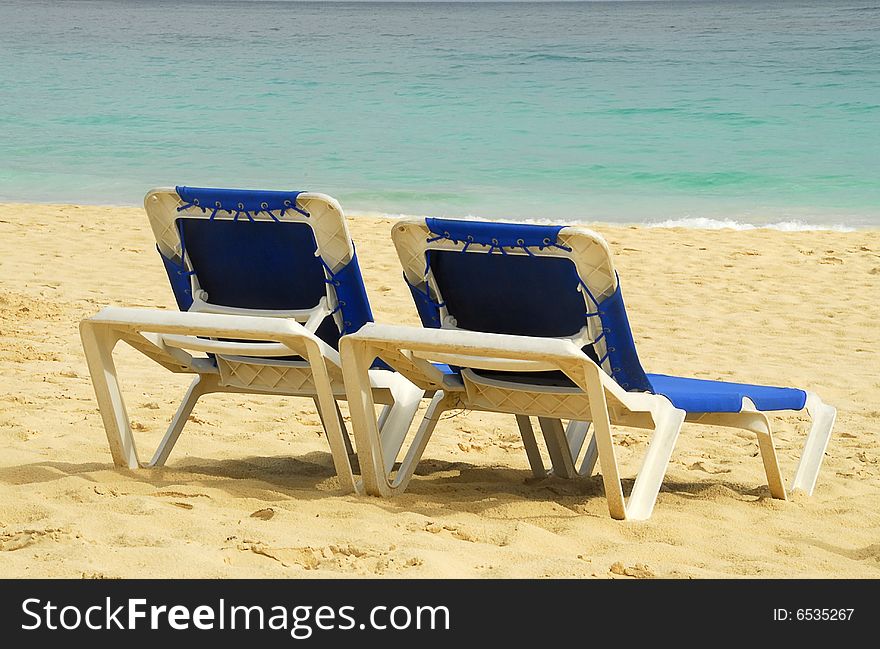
[195, 201]
[520, 242]
[287, 203]
[264, 205]
[217, 204]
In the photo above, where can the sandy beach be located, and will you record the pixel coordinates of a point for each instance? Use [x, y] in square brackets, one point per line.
[250, 490]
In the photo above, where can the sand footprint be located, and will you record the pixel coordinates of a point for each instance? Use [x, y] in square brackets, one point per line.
[180, 494]
[707, 467]
[287, 557]
[639, 570]
[11, 541]
[264, 514]
[463, 534]
[340, 558]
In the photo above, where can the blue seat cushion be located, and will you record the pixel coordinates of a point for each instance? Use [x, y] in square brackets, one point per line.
[700, 395]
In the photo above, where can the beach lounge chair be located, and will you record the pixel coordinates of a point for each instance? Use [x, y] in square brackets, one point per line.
[266, 282]
[530, 320]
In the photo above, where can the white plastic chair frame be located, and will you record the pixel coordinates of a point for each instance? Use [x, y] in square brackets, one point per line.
[597, 398]
[169, 338]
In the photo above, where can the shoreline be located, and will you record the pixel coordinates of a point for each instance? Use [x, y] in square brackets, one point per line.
[684, 222]
[758, 306]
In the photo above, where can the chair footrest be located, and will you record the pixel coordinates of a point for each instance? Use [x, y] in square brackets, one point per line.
[701, 395]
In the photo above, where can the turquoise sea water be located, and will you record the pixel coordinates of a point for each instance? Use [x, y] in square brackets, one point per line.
[754, 112]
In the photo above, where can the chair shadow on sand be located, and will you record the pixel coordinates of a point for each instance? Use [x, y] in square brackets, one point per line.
[312, 477]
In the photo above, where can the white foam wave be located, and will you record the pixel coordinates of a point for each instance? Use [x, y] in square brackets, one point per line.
[703, 223]
[695, 223]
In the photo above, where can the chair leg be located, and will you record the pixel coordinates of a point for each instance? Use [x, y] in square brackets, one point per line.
[667, 424]
[771, 464]
[576, 433]
[564, 446]
[201, 385]
[362, 407]
[823, 417]
[588, 464]
[98, 346]
[383, 416]
[439, 404]
[668, 421]
[641, 501]
[605, 450]
[345, 437]
[396, 424]
[377, 450]
[531, 445]
[749, 418]
[333, 425]
[393, 423]
[557, 447]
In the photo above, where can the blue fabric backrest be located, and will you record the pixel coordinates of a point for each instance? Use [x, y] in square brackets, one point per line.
[255, 265]
[510, 294]
[486, 289]
[260, 264]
